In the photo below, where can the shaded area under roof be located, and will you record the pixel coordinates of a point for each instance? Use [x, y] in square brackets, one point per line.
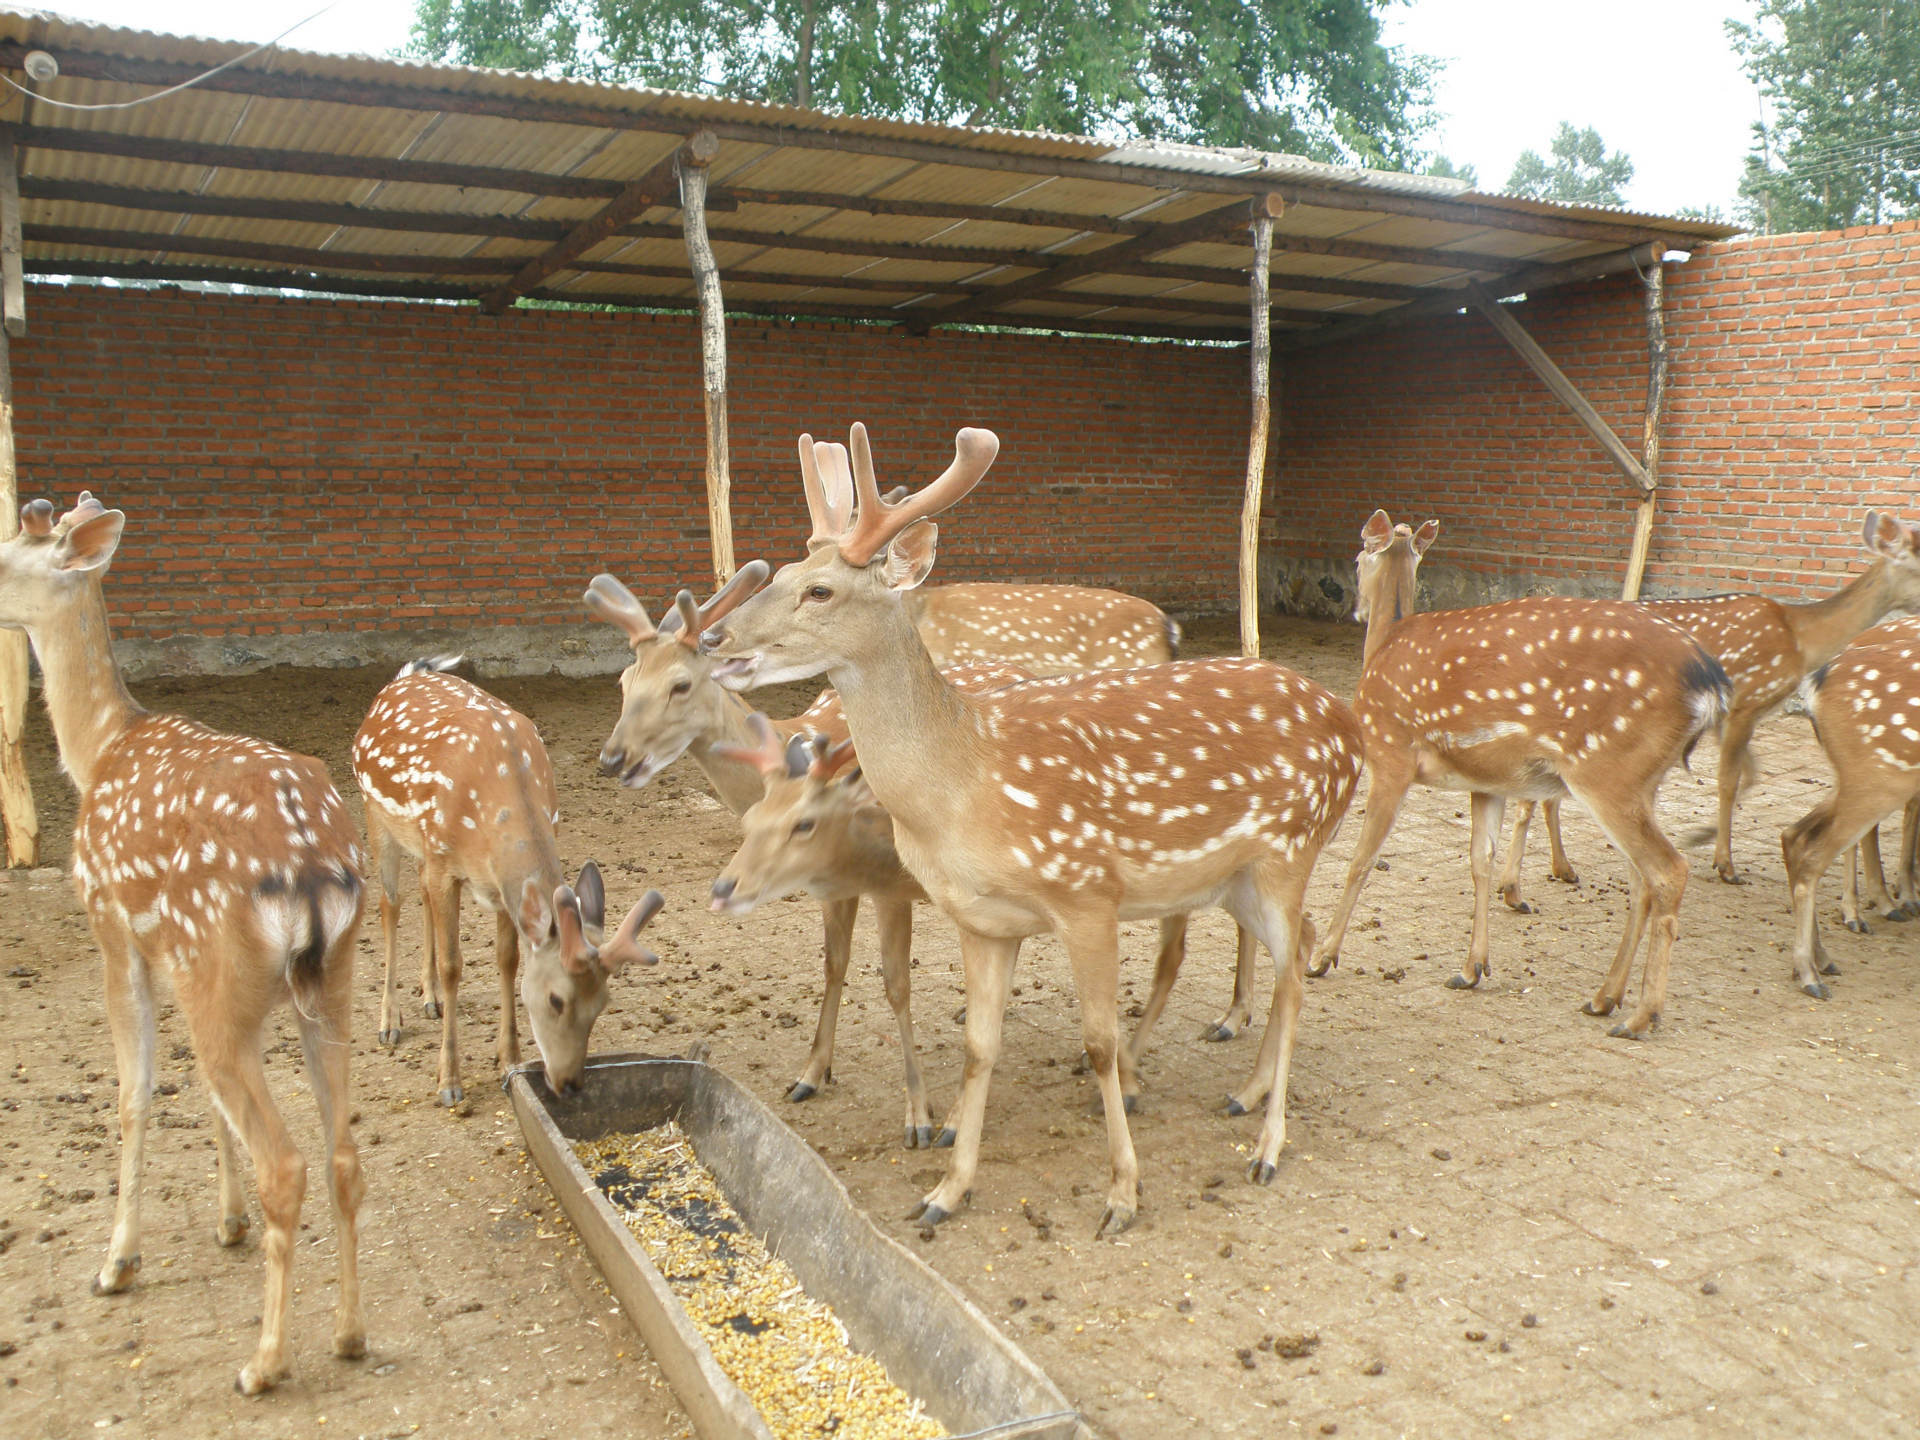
[376, 177]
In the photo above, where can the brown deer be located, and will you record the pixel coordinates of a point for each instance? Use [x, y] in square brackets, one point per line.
[1866, 712]
[231, 867]
[1060, 805]
[460, 782]
[1768, 648]
[1529, 699]
[1901, 902]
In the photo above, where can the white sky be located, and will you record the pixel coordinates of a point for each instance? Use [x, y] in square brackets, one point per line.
[1655, 77]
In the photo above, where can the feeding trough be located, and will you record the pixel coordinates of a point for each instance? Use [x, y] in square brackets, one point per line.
[934, 1343]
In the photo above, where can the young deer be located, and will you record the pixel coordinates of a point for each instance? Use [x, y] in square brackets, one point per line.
[1866, 713]
[1529, 699]
[1064, 804]
[1768, 649]
[461, 783]
[230, 866]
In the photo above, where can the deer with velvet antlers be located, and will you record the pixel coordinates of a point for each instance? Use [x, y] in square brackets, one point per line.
[461, 782]
[1768, 648]
[231, 867]
[1530, 699]
[1059, 805]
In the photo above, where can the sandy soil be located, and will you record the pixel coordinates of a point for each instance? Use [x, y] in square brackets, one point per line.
[1489, 1218]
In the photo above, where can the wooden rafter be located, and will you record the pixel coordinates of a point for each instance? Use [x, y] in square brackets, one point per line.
[659, 184]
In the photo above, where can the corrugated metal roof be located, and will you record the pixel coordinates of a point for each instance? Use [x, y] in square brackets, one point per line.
[350, 173]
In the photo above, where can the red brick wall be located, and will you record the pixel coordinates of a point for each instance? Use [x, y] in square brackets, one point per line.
[293, 465]
[1793, 385]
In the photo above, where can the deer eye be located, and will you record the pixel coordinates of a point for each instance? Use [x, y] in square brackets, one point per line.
[681, 687]
[803, 827]
[819, 592]
[559, 1005]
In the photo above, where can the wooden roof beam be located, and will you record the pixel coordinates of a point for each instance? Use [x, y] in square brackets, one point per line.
[658, 185]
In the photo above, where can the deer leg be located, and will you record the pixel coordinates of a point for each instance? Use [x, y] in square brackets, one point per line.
[443, 916]
[1661, 875]
[838, 917]
[1487, 813]
[1508, 883]
[324, 1038]
[130, 1017]
[1810, 845]
[1864, 869]
[1386, 790]
[987, 966]
[1908, 892]
[431, 1003]
[385, 856]
[1093, 952]
[233, 1189]
[506, 954]
[895, 920]
[1166, 967]
[1737, 770]
[1613, 987]
[1270, 899]
[1562, 868]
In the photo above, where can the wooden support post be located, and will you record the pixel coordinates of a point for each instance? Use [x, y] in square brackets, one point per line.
[13, 280]
[1556, 380]
[16, 793]
[1266, 209]
[1650, 441]
[695, 156]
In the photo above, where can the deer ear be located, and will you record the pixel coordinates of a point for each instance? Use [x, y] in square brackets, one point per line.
[1425, 536]
[909, 558]
[575, 952]
[535, 916]
[592, 891]
[90, 544]
[1887, 536]
[1377, 533]
[854, 784]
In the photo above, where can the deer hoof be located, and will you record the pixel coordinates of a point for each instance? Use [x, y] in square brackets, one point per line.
[350, 1344]
[1113, 1220]
[1260, 1172]
[960, 1016]
[1130, 1103]
[1858, 927]
[233, 1229]
[431, 1009]
[928, 1213]
[451, 1096]
[117, 1276]
[1597, 1007]
[1905, 910]
[801, 1090]
[944, 1140]
[1827, 967]
[1461, 982]
[1730, 875]
[919, 1137]
[1624, 1031]
[1817, 990]
[1218, 1031]
[391, 1038]
[254, 1380]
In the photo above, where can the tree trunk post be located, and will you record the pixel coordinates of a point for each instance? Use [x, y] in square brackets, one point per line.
[1650, 439]
[1266, 209]
[16, 792]
[695, 156]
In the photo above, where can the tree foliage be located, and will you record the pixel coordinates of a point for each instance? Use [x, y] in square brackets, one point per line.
[1842, 81]
[1310, 76]
[1580, 172]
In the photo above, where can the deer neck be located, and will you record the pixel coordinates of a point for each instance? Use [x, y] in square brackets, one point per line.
[1823, 628]
[1393, 601]
[918, 738]
[524, 849]
[87, 700]
[737, 782]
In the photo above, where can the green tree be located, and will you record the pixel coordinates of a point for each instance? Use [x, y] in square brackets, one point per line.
[1310, 76]
[1841, 79]
[1581, 171]
[1442, 166]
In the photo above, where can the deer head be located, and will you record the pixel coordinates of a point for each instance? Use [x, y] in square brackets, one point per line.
[1898, 544]
[816, 818]
[666, 703]
[49, 563]
[1387, 563]
[814, 612]
[565, 975]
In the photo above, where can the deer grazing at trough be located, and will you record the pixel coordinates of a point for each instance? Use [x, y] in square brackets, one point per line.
[230, 866]
[1866, 713]
[460, 782]
[1064, 804]
[1529, 699]
[1768, 648]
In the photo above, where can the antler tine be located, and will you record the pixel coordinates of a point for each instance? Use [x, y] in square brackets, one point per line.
[36, 517]
[973, 453]
[624, 948]
[797, 756]
[836, 478]
[817, 506]
[607, 599]
[829, 761]
[746, 580]
[687, 614]
[767, 753]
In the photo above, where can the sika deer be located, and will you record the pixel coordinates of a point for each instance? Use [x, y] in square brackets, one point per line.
[1866, 712]
[1902, 901]
[1529, 699]
[1063, 805]
[1768, 649]
[461, 783]
[227, 864]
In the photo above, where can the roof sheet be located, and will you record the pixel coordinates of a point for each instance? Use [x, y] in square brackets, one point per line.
[355, 174]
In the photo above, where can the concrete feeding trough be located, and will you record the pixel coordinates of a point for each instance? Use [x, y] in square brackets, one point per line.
[934, 1343]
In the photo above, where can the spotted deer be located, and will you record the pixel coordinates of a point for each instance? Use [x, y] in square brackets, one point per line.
[1901, 901]
[231, 867]
[460, 782]
[1768, 648]
[1530, 699]
[1060, 805]
[1866, 713]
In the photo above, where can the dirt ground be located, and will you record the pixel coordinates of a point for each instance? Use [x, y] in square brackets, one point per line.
[1490, 1218]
